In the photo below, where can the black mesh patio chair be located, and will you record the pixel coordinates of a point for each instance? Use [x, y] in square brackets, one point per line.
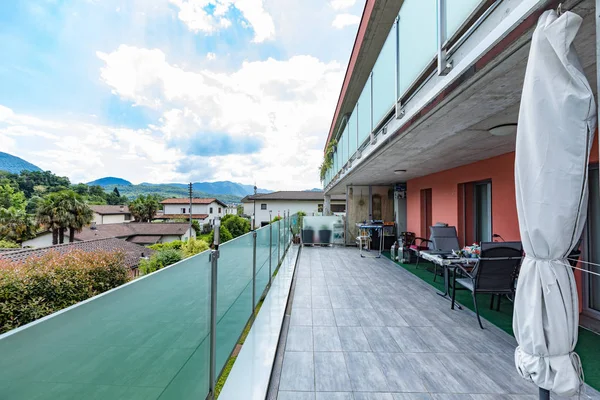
[443, 240]
[494, 273]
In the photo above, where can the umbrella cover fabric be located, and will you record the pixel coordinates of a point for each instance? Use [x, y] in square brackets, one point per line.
[556, 126]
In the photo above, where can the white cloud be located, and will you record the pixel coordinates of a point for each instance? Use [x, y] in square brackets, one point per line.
[211, 56]
[341, 4]
[195, 14]
[285, 105]
[343, 20]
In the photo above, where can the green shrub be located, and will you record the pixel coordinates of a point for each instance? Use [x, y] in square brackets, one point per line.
[7, 244]
[224, 235]
[41, 286]
[237, 226]
[174, 245]
[193, 246]
[160, 259]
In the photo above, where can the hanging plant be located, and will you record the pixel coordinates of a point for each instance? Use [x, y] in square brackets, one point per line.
[327, 159]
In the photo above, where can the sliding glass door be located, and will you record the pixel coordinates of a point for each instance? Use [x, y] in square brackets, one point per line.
[483, 212]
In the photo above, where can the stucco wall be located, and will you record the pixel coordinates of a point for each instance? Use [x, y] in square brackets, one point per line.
[43, 240]
[279, 206]
[444, 189]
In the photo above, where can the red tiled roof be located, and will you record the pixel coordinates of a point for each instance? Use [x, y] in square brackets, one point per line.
[110, 210]
[133, 229]
[195, 200]
[141, 239]
[132, 251]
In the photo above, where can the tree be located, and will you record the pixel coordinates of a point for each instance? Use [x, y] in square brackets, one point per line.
[224, 236]
[236, 225]
[27, 180]
[15, 225]
[79, 213]
[96, 190]
[144, 208]
[63, 210]
[81, 189]
[116, 191]
[11, 197]
[52, 216]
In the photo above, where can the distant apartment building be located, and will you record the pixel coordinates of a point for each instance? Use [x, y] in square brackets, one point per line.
[111, 214]
[310, 202]
[203, 210]
[231, 209]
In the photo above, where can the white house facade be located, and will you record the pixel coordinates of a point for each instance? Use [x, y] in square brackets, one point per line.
[203, 210]
[310, 202]
[111, 214]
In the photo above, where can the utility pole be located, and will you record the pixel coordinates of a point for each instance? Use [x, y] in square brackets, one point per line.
[254, 212]
[190, 191]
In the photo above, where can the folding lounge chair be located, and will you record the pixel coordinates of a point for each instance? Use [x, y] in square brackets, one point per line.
[443, 240]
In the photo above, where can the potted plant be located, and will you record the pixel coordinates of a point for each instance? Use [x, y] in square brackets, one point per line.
[325, 235]
[308, 235]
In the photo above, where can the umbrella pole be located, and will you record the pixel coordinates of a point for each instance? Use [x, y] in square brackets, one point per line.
[544, 394]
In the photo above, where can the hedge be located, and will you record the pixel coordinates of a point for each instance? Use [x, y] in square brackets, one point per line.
[43, 285]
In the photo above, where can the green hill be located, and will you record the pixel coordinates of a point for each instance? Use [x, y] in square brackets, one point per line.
[14, 164]
[109, 181]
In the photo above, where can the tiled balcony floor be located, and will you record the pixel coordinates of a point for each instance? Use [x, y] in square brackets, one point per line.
[364, 329]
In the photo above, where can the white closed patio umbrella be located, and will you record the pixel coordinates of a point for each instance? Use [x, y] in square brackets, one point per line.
[556, 127]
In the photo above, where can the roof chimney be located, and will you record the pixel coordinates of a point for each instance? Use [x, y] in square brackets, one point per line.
[93, 227]
[122, 207]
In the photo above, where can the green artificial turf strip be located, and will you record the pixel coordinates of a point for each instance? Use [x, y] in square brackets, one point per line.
[588, 345]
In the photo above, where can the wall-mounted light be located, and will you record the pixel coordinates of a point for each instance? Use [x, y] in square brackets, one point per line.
[503, 130]
[400, 171]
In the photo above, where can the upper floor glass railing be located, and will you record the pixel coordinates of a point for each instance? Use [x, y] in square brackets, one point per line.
[150, 338]
[423, 29]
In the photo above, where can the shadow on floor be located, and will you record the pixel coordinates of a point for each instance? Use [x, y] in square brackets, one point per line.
[588, 346]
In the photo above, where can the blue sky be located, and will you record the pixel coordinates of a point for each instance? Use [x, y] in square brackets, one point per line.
[243, 89]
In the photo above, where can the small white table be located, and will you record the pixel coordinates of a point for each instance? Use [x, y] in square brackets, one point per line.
[361, 237]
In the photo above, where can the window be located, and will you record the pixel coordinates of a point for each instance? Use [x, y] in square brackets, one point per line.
[219, 210]
[338, 208]
[210, 211]
[483, 212]
[320, 208]
[426, 213]
[183, 210]
[263, 206]
[127, 217]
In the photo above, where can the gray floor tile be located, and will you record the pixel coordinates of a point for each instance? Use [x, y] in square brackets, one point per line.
[331, 374]
[472, 380]
[345, 317]
[297, 372]
[303, 301]
[391, 317]
[300, 338]
[321, 301]
[323, 317]
[380, 339]
[335, 396]
[326, 338]
[373, 396]
[436, 340]
[446, 396]
[412, 396]
[284, 395]
[408, 340]
[368, 317]
[434, 374]
[400, 375]
[365, 372]
[353, 339]
[301, 316]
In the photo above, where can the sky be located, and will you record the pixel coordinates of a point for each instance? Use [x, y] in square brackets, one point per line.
[174, 90]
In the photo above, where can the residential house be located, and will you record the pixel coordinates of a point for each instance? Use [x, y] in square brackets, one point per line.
[425, 124]
[231, 209]
[276, 203]
[204, 210]
[132, 252]
[135, 232]
[111, 214]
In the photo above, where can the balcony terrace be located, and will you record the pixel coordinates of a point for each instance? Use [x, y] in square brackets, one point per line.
[364, 328]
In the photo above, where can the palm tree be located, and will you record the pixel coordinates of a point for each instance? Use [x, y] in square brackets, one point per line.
[15, 225]
[50, 216]
[144, 208]
[80, 214]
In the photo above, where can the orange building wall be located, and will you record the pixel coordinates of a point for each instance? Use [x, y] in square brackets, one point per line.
[444, 188]
[445, 198]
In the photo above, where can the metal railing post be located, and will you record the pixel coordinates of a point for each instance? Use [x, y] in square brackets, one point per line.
[270, 248]
[278, 241]
[214, 257]
[253, 272]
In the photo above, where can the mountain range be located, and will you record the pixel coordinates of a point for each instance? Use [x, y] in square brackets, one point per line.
[14, 164]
